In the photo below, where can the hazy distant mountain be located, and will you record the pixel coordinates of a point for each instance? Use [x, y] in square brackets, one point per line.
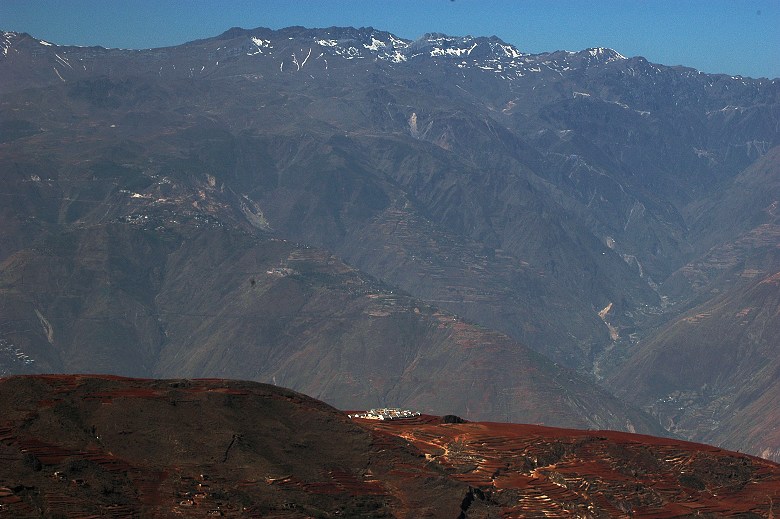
[714, 371]
[577, 203]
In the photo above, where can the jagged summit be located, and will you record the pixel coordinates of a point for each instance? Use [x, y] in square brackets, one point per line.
[480, 53]
[235, 32]
[327, 46]
[12, 42]
[486, 53]
[604, 53]
[442, 45]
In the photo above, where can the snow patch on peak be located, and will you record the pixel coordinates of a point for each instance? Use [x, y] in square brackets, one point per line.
[508, 50]
[437, 51]
[603, 52]
[365, 43]
[261, 43]
[437, 37]
[6, 41]
[375, 44]
[397, 42]
[490, 50]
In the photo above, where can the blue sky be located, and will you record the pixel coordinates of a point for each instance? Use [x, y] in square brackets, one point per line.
[719, 36]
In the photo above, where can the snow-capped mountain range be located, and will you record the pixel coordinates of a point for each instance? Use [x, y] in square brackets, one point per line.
[297, 49]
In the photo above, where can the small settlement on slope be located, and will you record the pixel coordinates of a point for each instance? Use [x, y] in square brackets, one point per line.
[386, 413]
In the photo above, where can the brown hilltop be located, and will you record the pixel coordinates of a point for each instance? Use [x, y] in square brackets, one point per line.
[86, 445]
[78, 446]
[537, 471]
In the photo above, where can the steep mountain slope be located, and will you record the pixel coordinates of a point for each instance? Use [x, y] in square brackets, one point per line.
[559, 199]
[79, 445]
[157, 299]
[713, 372]
[335, 132]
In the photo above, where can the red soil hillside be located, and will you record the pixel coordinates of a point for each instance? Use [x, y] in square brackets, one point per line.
[536, 471]
[91, 446]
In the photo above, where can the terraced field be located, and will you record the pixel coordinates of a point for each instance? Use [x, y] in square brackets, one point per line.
[78, 446]
[535, 471]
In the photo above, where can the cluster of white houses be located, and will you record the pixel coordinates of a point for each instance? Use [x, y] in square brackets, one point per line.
[386, 413]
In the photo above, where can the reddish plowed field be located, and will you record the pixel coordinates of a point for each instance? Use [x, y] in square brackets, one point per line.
[541, 471]
[251, 450]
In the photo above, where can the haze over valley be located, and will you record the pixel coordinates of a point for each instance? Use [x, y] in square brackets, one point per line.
[446, 224]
